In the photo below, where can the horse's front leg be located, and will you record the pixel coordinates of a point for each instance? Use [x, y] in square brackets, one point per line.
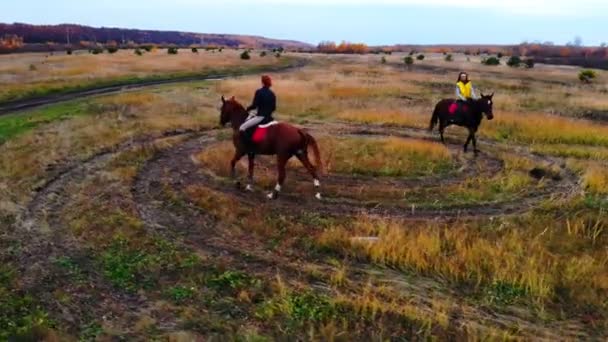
[474, 138]
[251, 158]
[441, 130]
[237, 156]
[466, 144]
[281, 162]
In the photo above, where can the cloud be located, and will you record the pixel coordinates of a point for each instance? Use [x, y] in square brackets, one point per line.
[569, 8]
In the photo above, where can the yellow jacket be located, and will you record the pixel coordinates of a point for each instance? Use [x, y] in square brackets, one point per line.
[465, 91]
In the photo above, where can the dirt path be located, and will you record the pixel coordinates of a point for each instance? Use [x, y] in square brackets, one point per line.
[45, 236]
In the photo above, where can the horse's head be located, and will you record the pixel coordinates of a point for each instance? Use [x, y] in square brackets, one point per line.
[485, 104]
[230, 110]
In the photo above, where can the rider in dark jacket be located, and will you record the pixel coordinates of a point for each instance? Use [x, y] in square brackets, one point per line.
[265, 102]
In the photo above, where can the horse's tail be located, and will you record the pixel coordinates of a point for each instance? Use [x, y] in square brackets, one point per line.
[309, 140]
[434, 118]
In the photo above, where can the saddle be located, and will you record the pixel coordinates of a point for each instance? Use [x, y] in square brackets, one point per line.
[260, 131]
[257, 134]
[458, 107]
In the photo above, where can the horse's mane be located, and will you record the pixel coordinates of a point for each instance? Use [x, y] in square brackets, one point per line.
[236, 103]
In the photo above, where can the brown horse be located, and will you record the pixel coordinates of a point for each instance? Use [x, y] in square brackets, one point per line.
[282, 140]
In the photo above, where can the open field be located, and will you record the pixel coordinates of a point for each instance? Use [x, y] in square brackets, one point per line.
[37, 74]
[119, 219]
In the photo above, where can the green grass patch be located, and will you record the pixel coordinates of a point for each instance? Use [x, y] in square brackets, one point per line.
[21, 318]
[19, 123]
[131, 266]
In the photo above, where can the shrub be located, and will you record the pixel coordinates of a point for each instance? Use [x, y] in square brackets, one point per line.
[278, 55]
[172, 51]
[587, 76]
[112, 49]
[194, 50]
[96, 50]
[245, 55]
[529, 63]
[514, 61]
[408, 61]
[138, 52]
[420, 57]
[449, 58]
[383, 60]
[263, 54]
[490, 61]
[69, 51]
[412, 52]
[148, 48]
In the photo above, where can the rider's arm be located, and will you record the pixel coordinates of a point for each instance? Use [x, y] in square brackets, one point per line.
[255, 103]
[274, 103]
[459, 94]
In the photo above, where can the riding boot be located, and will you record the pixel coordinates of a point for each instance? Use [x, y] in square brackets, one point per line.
[246, 139]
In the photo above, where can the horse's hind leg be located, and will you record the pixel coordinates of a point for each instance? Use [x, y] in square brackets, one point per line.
[313, 172]
[251, 158]
[281, 162]
[441, 130]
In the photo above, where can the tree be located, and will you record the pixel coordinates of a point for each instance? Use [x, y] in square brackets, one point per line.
[409, 61]
[172, 51]
[529, 63]
[514, 61]
[578, 41]
[449, 58]
[420, 57]
[490, 61]
[194, 50]
[245, 55]
[587, 76]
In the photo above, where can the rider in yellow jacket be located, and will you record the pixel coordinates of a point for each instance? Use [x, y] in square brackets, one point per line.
[464, 88]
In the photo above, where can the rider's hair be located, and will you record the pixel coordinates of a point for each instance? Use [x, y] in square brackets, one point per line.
[460, 75]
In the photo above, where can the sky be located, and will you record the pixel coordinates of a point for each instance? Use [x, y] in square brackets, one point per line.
[374, 22]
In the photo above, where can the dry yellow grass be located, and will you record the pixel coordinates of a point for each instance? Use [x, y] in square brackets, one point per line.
[111, 120]
[546, 129]
[30, 72]
[595, 178]
[366, 156]
[462, 254]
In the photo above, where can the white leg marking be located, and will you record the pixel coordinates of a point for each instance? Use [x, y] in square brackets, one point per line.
[270, 196]
[277, 188]
[318, 196]
[317, 183]
[249, 187]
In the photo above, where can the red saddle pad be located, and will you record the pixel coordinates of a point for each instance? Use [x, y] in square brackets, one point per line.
[259, 135]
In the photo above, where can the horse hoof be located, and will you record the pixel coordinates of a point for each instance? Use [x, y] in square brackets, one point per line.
[249, 188]
[272, 195]
[318, 196]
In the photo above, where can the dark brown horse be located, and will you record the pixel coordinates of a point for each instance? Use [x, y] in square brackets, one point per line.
[282, 140]
[467, 114]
